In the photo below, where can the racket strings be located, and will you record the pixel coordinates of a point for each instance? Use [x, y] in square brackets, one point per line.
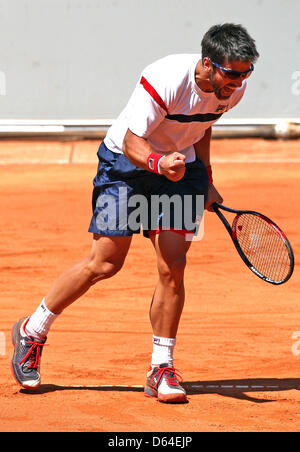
[263, 246]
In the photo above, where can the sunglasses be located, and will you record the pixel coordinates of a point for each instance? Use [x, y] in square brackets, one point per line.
[234, 75]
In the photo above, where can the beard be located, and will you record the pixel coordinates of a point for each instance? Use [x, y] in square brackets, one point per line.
[218, 91]
[219, 94]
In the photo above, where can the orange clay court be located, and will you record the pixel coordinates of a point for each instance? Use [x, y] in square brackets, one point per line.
[237, 343]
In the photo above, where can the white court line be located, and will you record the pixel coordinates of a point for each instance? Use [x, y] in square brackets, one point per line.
[105, 386]
[192, 386]
[234, 387]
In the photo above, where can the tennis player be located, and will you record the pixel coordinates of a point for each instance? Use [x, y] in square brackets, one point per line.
[159, 145]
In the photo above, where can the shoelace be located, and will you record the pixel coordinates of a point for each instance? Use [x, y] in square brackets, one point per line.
[34, 353]
[171, 375]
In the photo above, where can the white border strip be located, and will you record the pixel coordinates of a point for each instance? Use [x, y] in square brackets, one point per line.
[262, 160]
[108, 122]
[97, 128]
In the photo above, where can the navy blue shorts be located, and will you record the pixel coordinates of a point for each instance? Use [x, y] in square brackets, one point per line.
[127, 198]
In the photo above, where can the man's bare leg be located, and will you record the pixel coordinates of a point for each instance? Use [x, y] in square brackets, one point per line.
[106, 259]
[169, 296]
[29, 334]
[165, 313]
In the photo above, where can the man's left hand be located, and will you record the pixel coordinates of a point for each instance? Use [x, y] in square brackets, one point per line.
[212, 196]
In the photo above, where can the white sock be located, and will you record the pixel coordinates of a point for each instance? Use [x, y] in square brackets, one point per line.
[40, 322]
[163, 348]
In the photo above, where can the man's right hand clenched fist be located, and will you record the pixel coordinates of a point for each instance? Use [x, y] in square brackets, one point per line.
[172, 166]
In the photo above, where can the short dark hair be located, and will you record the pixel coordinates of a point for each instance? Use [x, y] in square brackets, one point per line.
[229, 41]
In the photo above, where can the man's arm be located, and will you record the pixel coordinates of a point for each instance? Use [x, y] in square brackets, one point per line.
[138, 150]
[202, 149]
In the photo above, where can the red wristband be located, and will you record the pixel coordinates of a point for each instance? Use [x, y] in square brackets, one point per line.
[209, 172]
[152, 162]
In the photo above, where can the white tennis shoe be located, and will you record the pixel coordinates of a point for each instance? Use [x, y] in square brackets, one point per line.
[162, 383]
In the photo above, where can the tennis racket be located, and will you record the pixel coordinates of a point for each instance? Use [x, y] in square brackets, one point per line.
[262, 245]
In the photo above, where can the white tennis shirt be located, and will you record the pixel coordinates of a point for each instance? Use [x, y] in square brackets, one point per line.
[169, 109]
